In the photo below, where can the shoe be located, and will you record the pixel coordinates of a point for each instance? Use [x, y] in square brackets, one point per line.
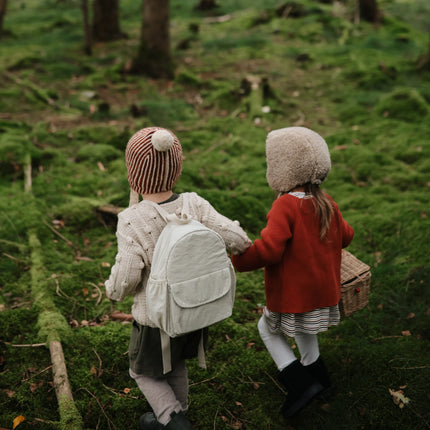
[318, 370]
[178, 422]
[148, 422]
[302, 387]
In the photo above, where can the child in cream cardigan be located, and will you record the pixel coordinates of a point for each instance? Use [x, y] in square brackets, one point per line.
[154, 163]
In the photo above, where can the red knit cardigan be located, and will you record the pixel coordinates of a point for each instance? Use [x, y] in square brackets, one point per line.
[302, 272]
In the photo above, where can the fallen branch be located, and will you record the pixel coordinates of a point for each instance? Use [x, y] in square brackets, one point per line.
[217, 19]
[51, 323]
[121, 316]
[110, 209]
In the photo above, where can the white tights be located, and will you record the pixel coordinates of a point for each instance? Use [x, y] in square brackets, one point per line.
[167, 394]
[280, 350]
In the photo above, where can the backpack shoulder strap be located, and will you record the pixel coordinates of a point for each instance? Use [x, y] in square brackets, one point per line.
[164, 214]
[185, 204]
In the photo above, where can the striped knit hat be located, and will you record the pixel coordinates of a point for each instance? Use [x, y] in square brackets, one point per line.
[154, 160]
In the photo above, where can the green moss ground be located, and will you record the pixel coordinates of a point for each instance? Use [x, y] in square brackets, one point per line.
[356, 84]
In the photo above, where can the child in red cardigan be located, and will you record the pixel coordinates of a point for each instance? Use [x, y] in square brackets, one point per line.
[300, 250]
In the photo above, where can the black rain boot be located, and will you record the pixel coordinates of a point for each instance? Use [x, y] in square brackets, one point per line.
[149, 422]
[301, 387]
[178, 422]
[318, 370]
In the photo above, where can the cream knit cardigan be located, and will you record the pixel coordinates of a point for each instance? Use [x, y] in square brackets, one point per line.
[137, 232]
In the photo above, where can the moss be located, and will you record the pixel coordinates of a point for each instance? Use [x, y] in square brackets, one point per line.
[404, 104]
[70, 418]
[99, 152]
[325, 73]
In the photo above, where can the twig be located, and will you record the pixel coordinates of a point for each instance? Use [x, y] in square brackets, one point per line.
[69, 242]
[59, 291]
[100, 360]
[99, 291]
[282, 390]
[27, 177]
[412, 368]
[216, 414]
[39, 373]
[51, 423]
[13, 258]
[119, 393]
[101, 407]
[30, 345]
[209, 379]
[385, 337]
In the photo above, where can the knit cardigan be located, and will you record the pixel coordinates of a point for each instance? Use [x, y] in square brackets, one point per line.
[302, 272]
[138, 229]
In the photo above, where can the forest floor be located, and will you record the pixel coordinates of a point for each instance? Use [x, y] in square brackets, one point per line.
[357, 84]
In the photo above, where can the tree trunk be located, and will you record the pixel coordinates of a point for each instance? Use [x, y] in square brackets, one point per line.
[2, 14]
[87, 29]
[106, 20]
[206, 5]
[154, 57]
[369, 10]
[424, 61]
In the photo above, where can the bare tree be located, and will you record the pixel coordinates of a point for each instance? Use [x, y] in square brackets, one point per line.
[369, 10]
[154, 56]
[106, 20]
[3, 4]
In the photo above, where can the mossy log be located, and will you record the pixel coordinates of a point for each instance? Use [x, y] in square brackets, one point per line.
[52, 324]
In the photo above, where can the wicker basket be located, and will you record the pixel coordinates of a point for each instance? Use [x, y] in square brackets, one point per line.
[355, 284]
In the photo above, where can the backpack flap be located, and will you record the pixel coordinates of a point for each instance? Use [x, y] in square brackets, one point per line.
[201, 302]
[201, 291]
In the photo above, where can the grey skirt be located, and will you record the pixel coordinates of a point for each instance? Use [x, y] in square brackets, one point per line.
[312, 322]
[145, 349]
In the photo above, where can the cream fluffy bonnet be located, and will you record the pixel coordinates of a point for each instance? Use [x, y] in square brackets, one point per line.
[296, 156]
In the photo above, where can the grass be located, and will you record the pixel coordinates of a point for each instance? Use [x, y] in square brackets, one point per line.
[356, 84]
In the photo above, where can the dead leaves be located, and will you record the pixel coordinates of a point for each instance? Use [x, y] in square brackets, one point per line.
[17, 421]
[399, 397]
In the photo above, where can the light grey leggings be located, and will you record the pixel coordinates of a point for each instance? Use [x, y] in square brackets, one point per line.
[167, 394]
[280, 350]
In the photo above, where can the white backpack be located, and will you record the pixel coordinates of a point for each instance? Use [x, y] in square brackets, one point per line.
[192, 282]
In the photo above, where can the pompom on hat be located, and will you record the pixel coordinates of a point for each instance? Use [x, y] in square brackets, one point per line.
[153, 157]
[296, 156]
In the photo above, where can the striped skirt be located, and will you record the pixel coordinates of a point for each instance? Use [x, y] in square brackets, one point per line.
[312, 322]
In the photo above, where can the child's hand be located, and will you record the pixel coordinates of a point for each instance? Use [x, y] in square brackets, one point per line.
[242, 251]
